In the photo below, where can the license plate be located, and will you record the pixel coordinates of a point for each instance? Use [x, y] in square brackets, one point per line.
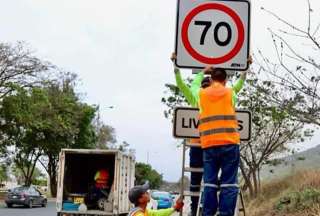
[78, 200]
[14, 197]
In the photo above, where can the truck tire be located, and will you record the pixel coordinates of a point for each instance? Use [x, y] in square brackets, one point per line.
[101, 203]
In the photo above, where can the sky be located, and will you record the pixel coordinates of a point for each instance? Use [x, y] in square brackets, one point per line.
[121, 50]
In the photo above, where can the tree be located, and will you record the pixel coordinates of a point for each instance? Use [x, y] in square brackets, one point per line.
[297, 68]
[144, 172]
[106, 135]
[273, 130]
[18, 67]
[173, 98]
[40, 121]
[70, 123]
[3, 173]
[37, 177]
[123, 147]
[23, 119]
[25, 161]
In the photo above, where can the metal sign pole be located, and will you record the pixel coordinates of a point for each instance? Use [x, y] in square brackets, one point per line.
[182, 171]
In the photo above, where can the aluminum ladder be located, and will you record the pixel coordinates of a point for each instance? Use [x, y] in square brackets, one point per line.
[240, 208]
[186, 169]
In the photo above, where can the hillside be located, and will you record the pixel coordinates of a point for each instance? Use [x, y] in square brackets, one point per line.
[309, 159]
[297, 195]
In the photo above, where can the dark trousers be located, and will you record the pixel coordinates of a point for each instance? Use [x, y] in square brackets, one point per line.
[196, 161]
[226, 158]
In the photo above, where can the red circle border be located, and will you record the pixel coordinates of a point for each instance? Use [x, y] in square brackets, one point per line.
[200, 57]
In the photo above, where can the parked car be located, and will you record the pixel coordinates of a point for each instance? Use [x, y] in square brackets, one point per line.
[164, 199]
[24, 195]
[152, 204]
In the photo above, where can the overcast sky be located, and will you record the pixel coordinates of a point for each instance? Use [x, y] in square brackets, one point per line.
[120, 50]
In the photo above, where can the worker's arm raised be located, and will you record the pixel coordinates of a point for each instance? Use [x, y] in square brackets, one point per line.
[188, 93]
[240, 82]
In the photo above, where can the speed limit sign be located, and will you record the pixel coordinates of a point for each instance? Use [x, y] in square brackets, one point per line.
[213, 32]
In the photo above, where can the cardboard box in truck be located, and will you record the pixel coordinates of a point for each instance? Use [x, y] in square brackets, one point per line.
[78, 184]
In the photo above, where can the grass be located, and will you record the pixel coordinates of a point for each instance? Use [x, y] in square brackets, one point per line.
[291, 196]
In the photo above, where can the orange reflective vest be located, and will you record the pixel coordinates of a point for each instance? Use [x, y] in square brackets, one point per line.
[194, 140]
[218, 122]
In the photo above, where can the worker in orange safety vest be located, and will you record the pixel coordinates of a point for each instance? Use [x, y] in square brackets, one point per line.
[220, 141]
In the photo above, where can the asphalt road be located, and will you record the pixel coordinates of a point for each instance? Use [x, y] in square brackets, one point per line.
[50, 210]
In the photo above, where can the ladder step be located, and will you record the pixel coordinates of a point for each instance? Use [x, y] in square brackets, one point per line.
[198, 145]
[191, 169]
[190, 193]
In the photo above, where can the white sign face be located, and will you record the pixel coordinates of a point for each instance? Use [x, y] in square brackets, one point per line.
[186, 123]
[213, 32]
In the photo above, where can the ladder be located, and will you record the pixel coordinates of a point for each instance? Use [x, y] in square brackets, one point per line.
[240, 208]
[185, 169]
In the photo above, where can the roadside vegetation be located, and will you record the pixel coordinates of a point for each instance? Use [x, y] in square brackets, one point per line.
[41, 112]
[294, 195]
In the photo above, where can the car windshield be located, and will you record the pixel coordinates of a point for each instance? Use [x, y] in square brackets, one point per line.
[19, 189]
[157, 195]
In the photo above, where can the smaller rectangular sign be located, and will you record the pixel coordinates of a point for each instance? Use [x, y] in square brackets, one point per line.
[186, 123]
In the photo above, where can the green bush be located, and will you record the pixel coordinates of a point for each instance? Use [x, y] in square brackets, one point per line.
[40, 182]
[298, 200]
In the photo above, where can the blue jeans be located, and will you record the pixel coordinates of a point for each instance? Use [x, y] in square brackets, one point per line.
[196, 161]
[226, 158]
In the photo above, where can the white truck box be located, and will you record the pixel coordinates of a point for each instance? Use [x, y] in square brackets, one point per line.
[77, 168]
